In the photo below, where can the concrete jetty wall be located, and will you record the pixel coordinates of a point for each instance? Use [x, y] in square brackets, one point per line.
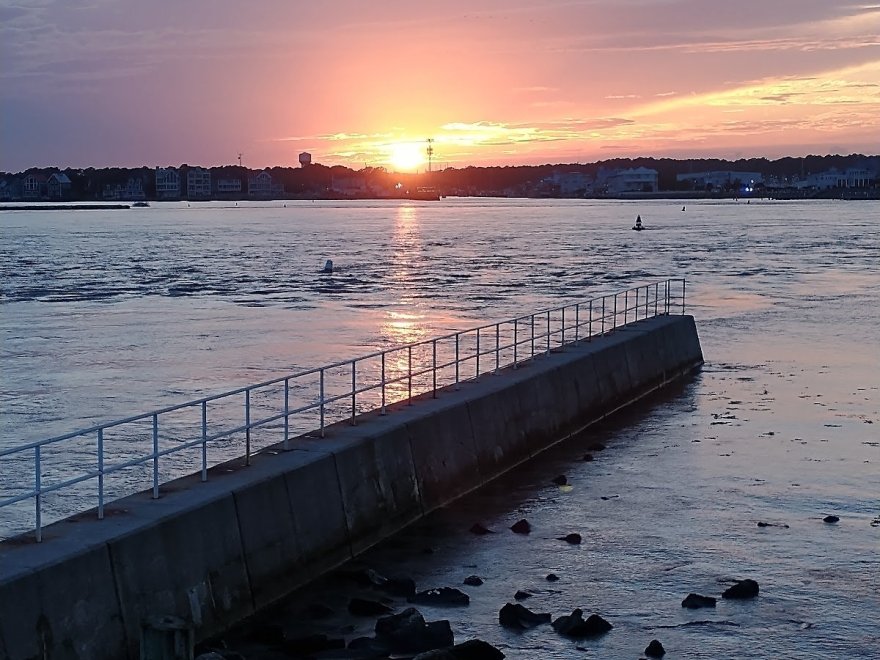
[216, 552]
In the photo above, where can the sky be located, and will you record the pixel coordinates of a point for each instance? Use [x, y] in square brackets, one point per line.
[129, 83]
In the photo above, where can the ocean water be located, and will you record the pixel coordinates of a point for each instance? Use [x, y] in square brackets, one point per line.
[112, 313]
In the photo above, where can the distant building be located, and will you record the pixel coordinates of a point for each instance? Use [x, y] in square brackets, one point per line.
[260, 186]
[167, 183]
[722, 180]
[571, 184]
[352, 186]
[132, 191]
[638, 179]
[229, 187]
[853, 177]
[58, 186]
[305, 159]
[198, 183]
[10, 188]
[33, 186]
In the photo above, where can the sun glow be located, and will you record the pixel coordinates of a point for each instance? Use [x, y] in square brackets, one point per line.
[406, 156]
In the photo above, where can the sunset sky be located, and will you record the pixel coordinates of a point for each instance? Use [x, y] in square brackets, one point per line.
[165, 82]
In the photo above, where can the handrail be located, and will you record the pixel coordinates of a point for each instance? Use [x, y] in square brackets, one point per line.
[523, 340]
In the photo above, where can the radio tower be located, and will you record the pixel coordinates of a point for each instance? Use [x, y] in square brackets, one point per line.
[430, 151]
[239, 160]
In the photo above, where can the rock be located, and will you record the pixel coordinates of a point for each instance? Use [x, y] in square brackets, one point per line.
[440, 596]
[561, 480]
[655, 649]
[521, 527]
[763, 524]
[830, 519]
[574, 625]
[476, 649]
[589, 457]
[365, 607]
[399, 586]
[480, 530]
[520, 618]
[741, 590]
[552, 577]
[574, 538]
[696, 601]
[521, 595]
[597, 446]
[408, 632]
[312, 644]
[316, 611]
[473, 581]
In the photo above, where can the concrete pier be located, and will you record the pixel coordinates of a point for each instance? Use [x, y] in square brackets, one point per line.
[214, 553]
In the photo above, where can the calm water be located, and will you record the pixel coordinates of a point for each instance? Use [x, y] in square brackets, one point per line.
[107, 314]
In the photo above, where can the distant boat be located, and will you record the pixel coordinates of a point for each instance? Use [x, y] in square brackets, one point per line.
[140, 204]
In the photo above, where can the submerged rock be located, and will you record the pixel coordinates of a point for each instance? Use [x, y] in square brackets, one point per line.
[743, 589]
[831, 519]
[480, 530]
[655, 649]
[573, 538]
[589, 457]
[521, 527]
[552, 577]
[521, 618]
[696, 601]
[440, 596]
[473, 580]
[573, 625]
[561, 480]
[521, 595]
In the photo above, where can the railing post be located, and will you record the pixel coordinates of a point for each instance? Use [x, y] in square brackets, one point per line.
[647, 295]
[562, 330]
[409, 375]
[478, 353]
[603, 316]
[577, 323]
[497, 347]
[456, 361]
[155, 456]
[434, 365]
[590, 323]
[666, 298]
[247, 426]
[286, 444]
[38, 496]
[656, 296]
[533, 335]
[614, 323]
[548, 332]
[625, 305]
[321, 399]
[682, 295]
[100, 474]
[353, 393]
[205, 440]
[383, 411]
[515, 344]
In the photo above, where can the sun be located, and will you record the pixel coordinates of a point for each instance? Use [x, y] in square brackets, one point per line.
[406, 156]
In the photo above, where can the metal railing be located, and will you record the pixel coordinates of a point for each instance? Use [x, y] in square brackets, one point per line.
[307, 401]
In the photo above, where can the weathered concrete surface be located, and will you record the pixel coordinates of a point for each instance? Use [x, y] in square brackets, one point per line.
[214, 553]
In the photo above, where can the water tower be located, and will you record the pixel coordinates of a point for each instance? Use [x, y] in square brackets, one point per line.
[305, 159]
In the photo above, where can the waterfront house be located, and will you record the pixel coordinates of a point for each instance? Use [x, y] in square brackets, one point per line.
[58, 186]
[198, 183]
[637, 179]
[167, 183]
[722, 180]
[260, 186]
[33, 186]
[229, 187]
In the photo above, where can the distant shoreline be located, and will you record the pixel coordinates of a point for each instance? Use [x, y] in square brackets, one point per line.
[64, 207]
